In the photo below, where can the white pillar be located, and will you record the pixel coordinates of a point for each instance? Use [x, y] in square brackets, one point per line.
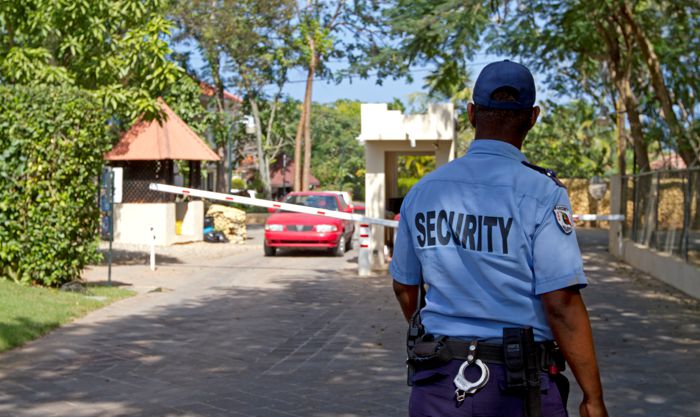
[445, 152]
[375, 201]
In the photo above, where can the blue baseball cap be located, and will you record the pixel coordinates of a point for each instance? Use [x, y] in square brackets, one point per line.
[505, 74]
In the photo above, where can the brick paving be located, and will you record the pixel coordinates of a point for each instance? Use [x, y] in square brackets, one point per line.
[243, 335]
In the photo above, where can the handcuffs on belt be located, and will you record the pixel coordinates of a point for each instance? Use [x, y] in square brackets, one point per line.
[464, 386]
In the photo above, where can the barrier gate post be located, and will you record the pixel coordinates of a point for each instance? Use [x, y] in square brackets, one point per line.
[363, 255]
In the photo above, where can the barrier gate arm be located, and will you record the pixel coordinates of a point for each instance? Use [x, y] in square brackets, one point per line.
[599, 217]
[271, 204]
[320, 212]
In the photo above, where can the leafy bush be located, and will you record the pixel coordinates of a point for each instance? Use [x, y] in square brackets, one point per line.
[51, 144]
[238, 184]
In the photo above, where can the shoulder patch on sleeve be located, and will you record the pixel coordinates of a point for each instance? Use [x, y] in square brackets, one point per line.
[563, 216]
[548, 172]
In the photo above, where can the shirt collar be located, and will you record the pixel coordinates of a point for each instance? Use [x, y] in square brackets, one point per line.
[496, 147]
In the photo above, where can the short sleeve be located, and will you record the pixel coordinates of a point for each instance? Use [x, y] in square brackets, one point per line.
[556, 256]
[405, 266]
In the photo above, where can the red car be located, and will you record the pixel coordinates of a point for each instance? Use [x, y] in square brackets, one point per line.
[298, 230]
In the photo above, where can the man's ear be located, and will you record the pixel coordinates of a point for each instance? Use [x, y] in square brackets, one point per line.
[535, 115]
[471, 114]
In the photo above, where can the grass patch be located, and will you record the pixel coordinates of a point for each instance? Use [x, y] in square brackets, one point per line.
[30, 312]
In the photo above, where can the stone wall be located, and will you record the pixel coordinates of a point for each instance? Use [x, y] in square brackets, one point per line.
[583, 203]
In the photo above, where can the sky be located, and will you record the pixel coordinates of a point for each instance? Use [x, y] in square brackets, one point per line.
[369, 92]
[364, 90]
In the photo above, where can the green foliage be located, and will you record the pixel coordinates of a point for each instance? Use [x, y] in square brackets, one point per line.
[243, 44]
[338, 159]
[641, 52]
[52, 141]
[573, 140]
[442, 34]
[238, 184]
[183, 97]
[411, 169]
[113, 47]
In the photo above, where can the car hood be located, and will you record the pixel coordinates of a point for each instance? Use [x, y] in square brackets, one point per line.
[300, 218]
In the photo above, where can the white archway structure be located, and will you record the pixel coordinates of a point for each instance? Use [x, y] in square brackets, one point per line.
[387, 134]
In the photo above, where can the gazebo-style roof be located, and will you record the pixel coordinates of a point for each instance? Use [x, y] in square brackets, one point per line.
[170, 139]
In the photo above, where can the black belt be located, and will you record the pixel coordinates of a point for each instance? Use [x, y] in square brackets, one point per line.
[493, 353]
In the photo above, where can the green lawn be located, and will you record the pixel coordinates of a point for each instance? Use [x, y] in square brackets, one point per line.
[30, 312]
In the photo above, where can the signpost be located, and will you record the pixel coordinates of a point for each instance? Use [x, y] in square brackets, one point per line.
[107, 208]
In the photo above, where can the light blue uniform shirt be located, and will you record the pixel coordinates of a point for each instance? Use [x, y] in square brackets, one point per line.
[489, 235]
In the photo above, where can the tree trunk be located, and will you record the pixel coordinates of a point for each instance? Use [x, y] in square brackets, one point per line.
[682, 136]
[640, 147]
[263, 166]
[621, 71]
[621, 140]
[304, 129]
[306, 180]
[297, 146]
[221, 174]
[221, 170]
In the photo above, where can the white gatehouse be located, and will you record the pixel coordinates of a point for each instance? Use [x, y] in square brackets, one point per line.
[388, 134]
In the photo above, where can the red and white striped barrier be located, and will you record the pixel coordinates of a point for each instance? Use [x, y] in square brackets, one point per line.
[599, 217]
[320, 212]
[364, 255]
[271, 204]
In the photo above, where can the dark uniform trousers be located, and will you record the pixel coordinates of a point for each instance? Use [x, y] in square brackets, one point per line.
[433, 395]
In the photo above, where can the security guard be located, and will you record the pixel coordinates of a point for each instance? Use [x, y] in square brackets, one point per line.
[492, 238]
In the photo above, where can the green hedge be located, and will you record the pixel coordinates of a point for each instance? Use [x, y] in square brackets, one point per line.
[51, 144]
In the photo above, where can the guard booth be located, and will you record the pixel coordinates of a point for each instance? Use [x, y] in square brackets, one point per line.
[147, 153]
[387, 135]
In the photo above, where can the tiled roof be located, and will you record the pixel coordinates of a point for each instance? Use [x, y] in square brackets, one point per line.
[155, 141]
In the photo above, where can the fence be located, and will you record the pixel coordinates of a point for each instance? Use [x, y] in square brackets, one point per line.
[663, 211]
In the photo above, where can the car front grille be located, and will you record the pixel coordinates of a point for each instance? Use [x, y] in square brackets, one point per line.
[299, 228]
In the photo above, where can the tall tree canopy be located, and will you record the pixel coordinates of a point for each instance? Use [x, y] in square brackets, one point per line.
[338, 158]
[114, 48]
[602, 52]
[339, 29]
[245, 44]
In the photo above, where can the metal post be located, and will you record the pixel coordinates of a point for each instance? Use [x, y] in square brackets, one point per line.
[687, 198]
[153, 250]
[230, 158]
[110, 196]
[654, 229]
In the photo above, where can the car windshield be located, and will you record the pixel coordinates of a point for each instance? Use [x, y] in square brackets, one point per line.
[326, 202]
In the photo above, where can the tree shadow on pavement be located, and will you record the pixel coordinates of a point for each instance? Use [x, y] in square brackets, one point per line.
[322, 343]
[647, 337]
[135, 257]
[327, 345]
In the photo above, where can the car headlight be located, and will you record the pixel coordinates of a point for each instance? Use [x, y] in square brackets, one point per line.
[324, 228]
[274, 227]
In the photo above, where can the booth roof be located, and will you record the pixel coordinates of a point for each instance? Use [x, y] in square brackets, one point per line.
[156, 141]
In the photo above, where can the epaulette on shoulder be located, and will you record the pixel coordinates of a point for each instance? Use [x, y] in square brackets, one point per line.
[548, 172]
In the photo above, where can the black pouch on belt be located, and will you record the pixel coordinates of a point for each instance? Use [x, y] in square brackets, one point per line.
[429, 352]
[522, 370]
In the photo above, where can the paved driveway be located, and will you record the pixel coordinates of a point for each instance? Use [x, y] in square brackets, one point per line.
[238, 334]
